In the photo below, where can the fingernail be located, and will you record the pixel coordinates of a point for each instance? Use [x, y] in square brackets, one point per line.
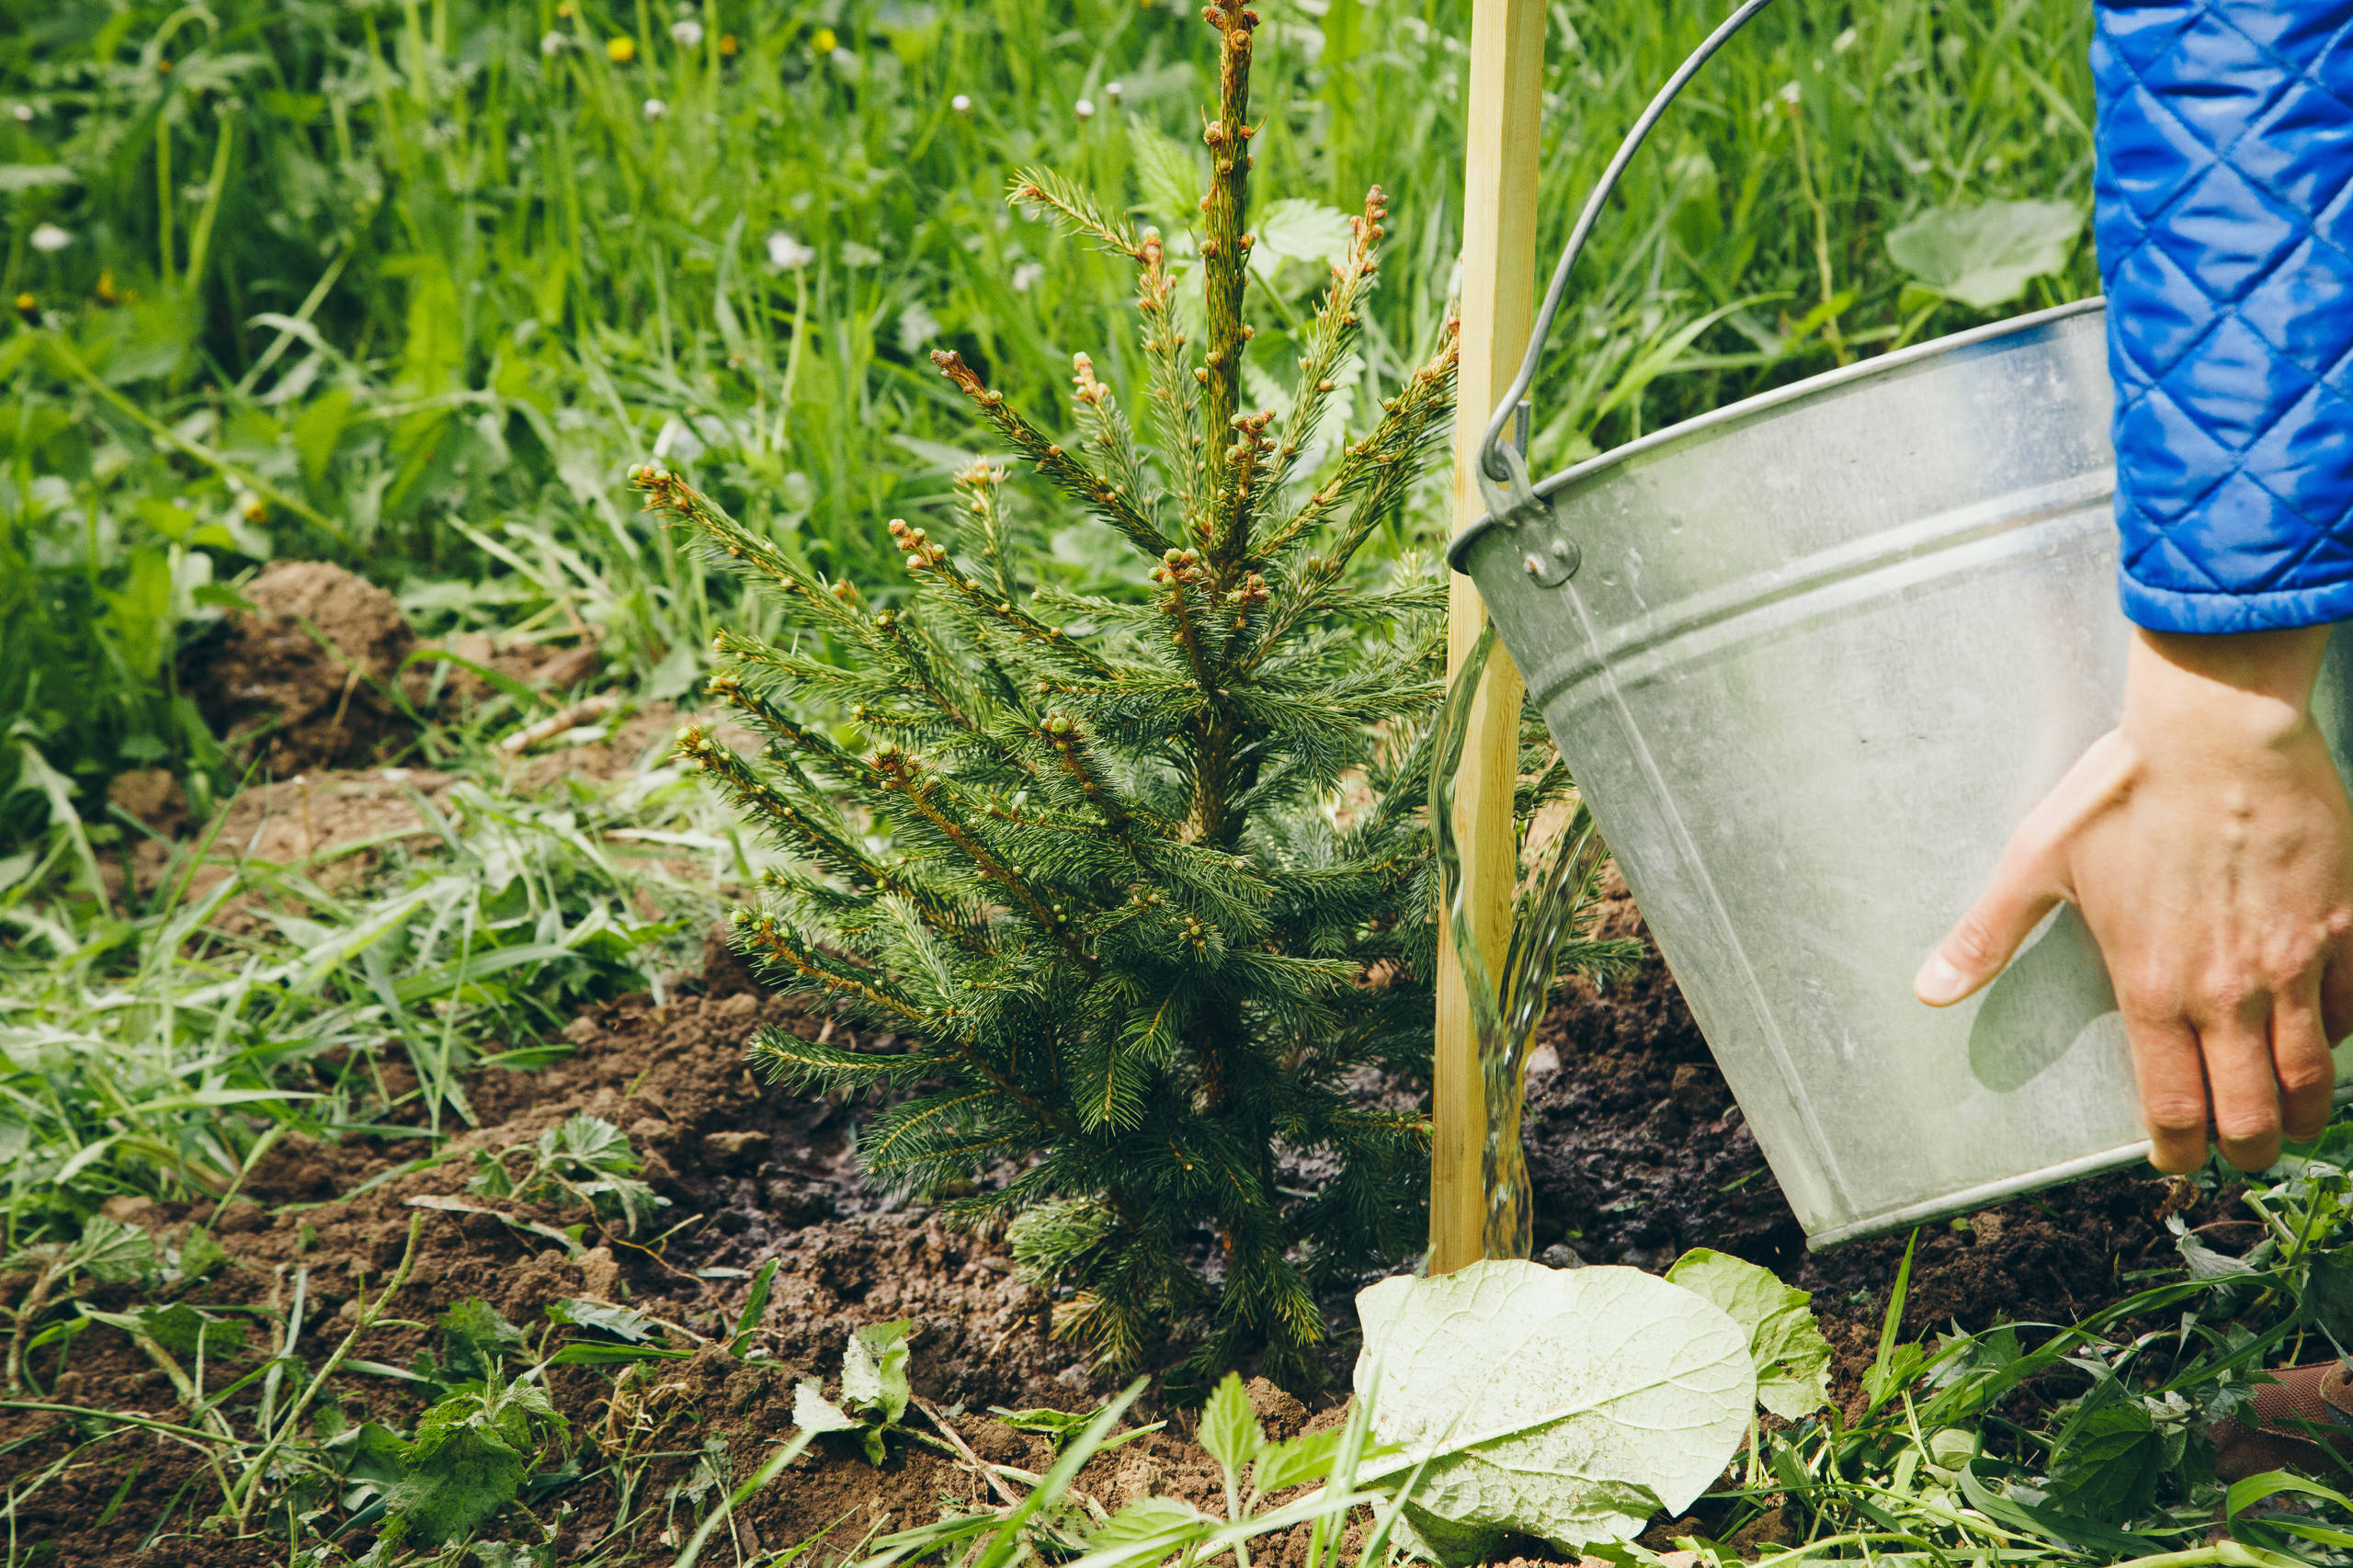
[1938, 983]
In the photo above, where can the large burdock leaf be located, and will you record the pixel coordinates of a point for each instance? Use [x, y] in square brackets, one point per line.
[1792, 1358]
[1985, 256]
[1565, 1403]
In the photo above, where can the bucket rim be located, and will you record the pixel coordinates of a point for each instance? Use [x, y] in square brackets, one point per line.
[1458, 552]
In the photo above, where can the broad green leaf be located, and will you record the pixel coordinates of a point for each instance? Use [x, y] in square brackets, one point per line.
[474, 1338]
[454, 1477]
[1150, 1518]
[1792, 1358]
[874, 1369]
[619, 1322]
[1295, 1460]
[1230, 1428]
[1986, 255]
[180, 1329]
[813, 1413]
[201, 1255]
[2107, 1463]
[113, 1253]
[1561, 1404]
[755, 1304]
[593, 1142]
[1170, 174]
[1302, 231]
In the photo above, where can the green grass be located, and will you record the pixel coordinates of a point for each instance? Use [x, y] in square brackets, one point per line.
[410, 285]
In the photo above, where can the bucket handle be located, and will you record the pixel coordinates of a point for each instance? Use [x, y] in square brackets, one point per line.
[1502, 465]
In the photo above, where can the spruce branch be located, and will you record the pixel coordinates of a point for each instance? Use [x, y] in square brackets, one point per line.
[981, 485]
[1106, 423]
[905, 777]
[929, 563]
[1331, 336]
[1226, 249]
[1174, 393]
[1074, 210]
[1409, 420]
[1069, 475]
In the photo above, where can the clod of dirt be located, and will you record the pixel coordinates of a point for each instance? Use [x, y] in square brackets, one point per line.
[306, 678]
[153, 797]
[307, 822]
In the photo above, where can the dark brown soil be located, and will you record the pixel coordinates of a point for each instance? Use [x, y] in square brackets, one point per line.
[320, 674]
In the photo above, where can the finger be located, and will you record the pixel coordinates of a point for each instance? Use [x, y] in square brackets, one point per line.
[2337, 996]
[2172, 1076]
[2242, 1086]
[2300, 1060]
[1983, 940]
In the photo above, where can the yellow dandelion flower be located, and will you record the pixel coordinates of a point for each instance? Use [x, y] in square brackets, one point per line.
[823, 42]
[620, 51]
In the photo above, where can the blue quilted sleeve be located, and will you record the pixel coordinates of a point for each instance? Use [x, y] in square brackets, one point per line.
[2225, 230]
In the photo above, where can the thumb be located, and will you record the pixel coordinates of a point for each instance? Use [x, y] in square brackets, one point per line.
[1983, 940]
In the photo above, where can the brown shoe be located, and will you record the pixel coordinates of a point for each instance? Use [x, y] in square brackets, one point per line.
[2303, 1423]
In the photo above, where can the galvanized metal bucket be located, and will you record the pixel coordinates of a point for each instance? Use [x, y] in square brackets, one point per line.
[1812, 657]
[1823, 650]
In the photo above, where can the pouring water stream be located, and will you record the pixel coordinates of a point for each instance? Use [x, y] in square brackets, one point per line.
[1506, 1008]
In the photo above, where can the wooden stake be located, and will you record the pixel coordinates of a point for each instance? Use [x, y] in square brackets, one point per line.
[1505, 101]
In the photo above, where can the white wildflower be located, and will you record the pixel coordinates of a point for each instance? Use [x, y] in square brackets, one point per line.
[1111, 91]
[24, 113]
[550, 43]
[655, 108]
[961, 103]
[49, 237]
[1026, 275]
[687, 33]
[1084, 109]
[787, 254]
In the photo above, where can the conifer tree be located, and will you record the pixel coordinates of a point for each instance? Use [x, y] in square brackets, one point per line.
[1128, 891]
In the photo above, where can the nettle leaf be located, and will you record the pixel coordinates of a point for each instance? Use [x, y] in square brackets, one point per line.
[180, 1328]
[1568, 1404]
[874, 1369]
[1792, 1357]
[201, 1255]
[475, 1338]
[113, 1253]
[2108, 1462]
[1301, 231]
[454, 1477]
[1230, 1428]
[1295, 1461]
[619, 1322]
[1171, 174]
[1986, 255]
[1150, 1518]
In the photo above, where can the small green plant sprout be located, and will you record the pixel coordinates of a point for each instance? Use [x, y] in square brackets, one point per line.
[585, 1159]
[874, 1389]
[1137, 882]
[107, 1252]
[1059, 1427]
[474, 1447]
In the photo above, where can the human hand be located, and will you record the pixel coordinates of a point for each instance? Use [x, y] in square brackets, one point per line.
[2207, 842]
